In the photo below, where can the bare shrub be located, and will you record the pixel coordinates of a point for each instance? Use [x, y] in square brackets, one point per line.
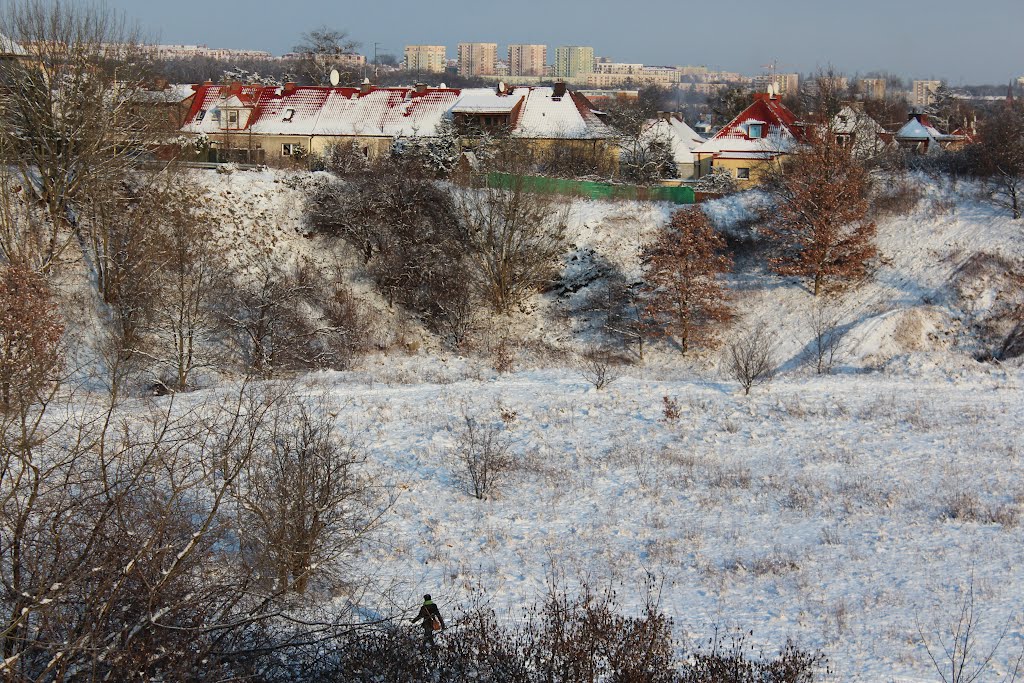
[290, 320]
[670, 409]
[514, 239]
[600, 367]
[750, 359]
[304, 498]
[483, 456]
[827, 338]
[958, 650]
[899, 198]
[728, 659]
[408, 230]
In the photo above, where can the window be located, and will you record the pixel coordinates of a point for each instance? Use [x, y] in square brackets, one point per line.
[233, 118]
[288, 148]
[200, 115]
[288, 114]
[754, 130]
[743, 173]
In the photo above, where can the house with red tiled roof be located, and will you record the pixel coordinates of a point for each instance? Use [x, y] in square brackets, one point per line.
[264, 123]
[761, 136]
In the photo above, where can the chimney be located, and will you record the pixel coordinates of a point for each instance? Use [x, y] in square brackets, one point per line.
[665, 116]
[365, 87]
[421, 88]
[161, 84]
[290, 88]
[559, 90]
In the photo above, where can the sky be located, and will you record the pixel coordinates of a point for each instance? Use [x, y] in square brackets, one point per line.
[975, 42]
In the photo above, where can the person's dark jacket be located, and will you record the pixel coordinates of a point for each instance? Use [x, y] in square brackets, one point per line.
[429, 612]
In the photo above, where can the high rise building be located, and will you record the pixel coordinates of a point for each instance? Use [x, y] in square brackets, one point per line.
[426, 58]
[573, 60]
[527, 60]
[478, 59]
[923, 93]
[872, 88]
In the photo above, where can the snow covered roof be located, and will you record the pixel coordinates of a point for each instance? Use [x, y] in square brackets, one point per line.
[174, 94]
[917, 130]
[681, 138]
[485, 100]
[9, 46]
[733, 140]
[391, 112]
[545, 115]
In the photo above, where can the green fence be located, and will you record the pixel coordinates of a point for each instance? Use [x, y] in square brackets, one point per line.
[586, 188]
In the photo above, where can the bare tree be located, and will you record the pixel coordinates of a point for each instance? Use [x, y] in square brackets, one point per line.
[189, 283]
[1002, 155]
[513, 241]
[71, 120]
[321, 50]
[686, 300]
[750, 358]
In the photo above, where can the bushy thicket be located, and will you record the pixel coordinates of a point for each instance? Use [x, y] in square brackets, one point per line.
[566, 638]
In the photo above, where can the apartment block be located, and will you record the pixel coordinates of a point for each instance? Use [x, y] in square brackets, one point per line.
[478, 59]
[923, 93]
[527, 60]
[426, 58]
[785, 84]
[572, 61]
[872, 88]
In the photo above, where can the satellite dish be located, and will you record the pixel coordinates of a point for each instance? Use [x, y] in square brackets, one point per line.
[335, 77]
[443, 86]
[771, 90]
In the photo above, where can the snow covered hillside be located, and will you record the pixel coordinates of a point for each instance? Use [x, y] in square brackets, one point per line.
[851, 511]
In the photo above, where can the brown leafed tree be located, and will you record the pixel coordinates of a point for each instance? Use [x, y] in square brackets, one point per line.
[686, 297]
[819, 227]
[30, 333]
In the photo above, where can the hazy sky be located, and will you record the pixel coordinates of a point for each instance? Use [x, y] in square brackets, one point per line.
[981, 41]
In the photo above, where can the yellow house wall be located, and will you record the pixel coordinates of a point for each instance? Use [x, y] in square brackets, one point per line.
[757, 169]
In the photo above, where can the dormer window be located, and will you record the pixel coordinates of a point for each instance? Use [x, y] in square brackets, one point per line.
[288, 114]
[215, 115]
[755, 130]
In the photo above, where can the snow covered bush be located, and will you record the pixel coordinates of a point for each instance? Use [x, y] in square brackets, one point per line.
[718, 181]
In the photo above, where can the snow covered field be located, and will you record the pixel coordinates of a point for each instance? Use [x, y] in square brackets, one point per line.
[851, 512]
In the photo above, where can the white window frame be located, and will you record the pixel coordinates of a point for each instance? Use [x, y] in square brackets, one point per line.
[743, 173]
[288, 148]
[233, 118]
[760, 131]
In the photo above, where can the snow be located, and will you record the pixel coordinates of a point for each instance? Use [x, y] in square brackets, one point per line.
[820, 507]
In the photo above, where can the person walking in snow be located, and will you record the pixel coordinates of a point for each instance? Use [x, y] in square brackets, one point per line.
[432, 620]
